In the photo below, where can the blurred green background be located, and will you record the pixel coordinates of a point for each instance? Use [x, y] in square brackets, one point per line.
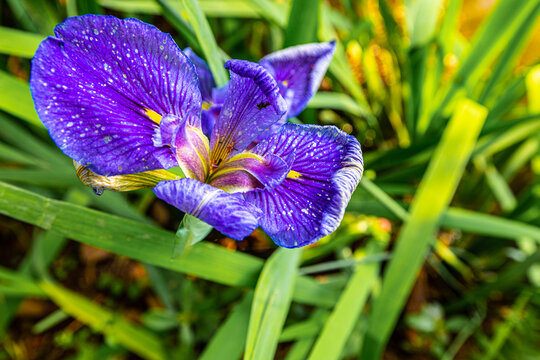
[437, 257]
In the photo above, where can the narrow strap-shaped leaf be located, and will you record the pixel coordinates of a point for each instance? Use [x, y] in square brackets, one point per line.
[271, 11]
[16, 99]
[421, 19]
[303, 22]
[343, 318]
[131, 336]
[147, 243]
[432, 198]
[271, 303]
[206, 40]
[228, 342]
[18, 43]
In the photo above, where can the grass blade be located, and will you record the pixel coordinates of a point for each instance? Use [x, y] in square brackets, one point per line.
[337, 101]
[504, 330]
[341, 322]
[432, 198]
[228, 342]
[18, 43]
[13, 283]
[132, 337]
[206, 41]
[16, 99]
[489, 225]
[303, 23]
[147, 243]
[271, 11]
[421, 18]
[271, 302]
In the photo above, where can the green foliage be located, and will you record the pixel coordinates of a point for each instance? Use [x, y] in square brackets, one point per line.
[450, 197]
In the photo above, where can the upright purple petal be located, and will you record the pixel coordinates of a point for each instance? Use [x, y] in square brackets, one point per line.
[206, 80]
[309, 204]
[228, 213]
[299, 71]
[101, 86]
[252, 104]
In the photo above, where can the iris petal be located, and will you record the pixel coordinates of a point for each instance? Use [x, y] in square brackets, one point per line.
[299, 71]
[311, 201]
[228, 213]
[100, 86]
[252, 104]
[206, 80]
[192, 151]
[249, 171]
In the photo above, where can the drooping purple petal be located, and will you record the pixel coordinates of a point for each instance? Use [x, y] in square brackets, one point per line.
[101, 86]
[252, 104]
[192, 151]
[206, 80]
[248, 171]
[309, 204]
[299, 71]
[228, 213]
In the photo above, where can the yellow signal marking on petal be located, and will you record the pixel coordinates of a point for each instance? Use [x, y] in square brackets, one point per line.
[245, 155]
[154, 116]
[143, 180]
[293, 174]
[206, 105]
[229, 165]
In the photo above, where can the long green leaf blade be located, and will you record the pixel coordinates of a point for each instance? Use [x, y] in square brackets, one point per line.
[337, 329]
[433, 196]
[16, 98]
[228, 342]
[134, 338]
[271, 302]
[146, 243]
[206, 40]
[303, 22]
[18, 43]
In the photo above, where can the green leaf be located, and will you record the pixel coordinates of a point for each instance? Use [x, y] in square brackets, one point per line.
[271, 11]
[16, 98]
[49, 321]
[421, 19]
[533, 89]
[18, 43]
[337, 101]
[432, 198]
[303, 23]
[229, 340]
[504, 22]
[206, 41]
[489, 225]
[504, 330]
[147, 243]
[14, 133]
[211, 8]
[131, 336]
[191, 231]
[271, 302]
[16, 284]
[305, 329]
[510, 57]
[338, 327]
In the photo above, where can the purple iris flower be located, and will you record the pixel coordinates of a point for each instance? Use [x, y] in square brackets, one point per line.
[125, 103]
